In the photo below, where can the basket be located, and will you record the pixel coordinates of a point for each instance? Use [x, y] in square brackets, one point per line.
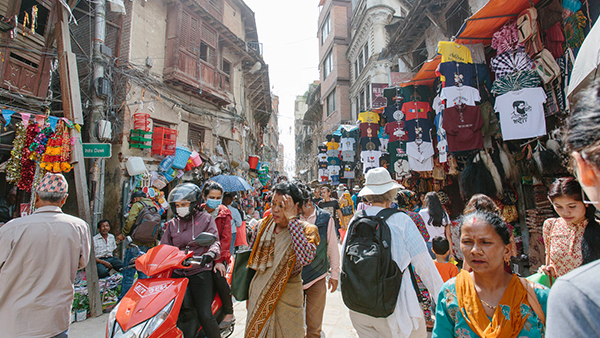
[163, 141]
[140, 121]
[182, 155]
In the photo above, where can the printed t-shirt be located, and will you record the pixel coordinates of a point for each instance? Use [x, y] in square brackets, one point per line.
[332, 145]
[348, 170]
[322, 157]
[392, 95]
[333, 160]
[368, 117]
[420, 156]
[322, 148]
[446, 270]
[416, 110]
[323, 165]
[369, 143]
[347, 144]
[522, 113]
[348, 156]
[333, 153]
[452, 51]
[416, 93]
[396, 131]
[438, 105]
[458, 73]
[383, 134]
[463, 128]
[368, 129]
[477, 52]
[323, 174]
[393, 113]
[334, 170]
[418, 129]
[397, 150]
[442, 144]
[457, 95]
[370, 159]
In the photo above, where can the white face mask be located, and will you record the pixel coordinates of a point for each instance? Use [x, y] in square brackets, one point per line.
[183, 211]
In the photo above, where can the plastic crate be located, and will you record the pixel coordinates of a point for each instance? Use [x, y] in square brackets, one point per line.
[164, 141]
[140, 139]
[140, 121]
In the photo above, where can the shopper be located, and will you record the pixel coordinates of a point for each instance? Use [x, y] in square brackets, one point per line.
[441, 248]
[104, 246]
[8, 205]
[236, 219]
[39, 258]
[332, 206]
[436, 220]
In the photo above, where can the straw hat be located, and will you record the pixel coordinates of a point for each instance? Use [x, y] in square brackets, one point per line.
[377, 182]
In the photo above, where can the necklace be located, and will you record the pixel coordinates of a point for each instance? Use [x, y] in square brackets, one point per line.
[488, 305]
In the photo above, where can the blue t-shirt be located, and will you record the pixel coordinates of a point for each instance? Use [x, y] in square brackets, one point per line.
[458, 71]
[416, 127]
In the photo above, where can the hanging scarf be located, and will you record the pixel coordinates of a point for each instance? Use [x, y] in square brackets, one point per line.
[507, 321]
[263, 250]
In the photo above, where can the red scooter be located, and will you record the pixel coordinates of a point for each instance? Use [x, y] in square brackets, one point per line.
[158, 306]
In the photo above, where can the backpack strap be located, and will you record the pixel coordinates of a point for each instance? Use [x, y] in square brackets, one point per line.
[386, 213]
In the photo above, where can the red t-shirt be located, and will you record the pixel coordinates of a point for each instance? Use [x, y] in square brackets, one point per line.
[368, 129]
[463, 129]
[393, 127]
[416, 110]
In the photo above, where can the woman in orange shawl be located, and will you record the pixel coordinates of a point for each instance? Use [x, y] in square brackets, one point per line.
[282, 246]
[489, 302]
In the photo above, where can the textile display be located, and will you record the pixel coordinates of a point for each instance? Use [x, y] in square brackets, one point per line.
[368, 129]
[458, 73]
[463, 128]
[369, 143]
[370, 159]
[420, 155]
[516, 81]
[347, 144]
[460, 95]
[416, 93]
[368, 117]
[396, 132]
[522, 113]
[416, 110]
[510, 62]
[452, 51]
[507, 38]
[393, 113]
[418, 129]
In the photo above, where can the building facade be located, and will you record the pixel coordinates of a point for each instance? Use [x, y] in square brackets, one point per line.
[308, 125]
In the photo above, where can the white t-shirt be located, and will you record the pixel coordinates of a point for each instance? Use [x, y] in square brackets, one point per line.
[322, 157]
[438, 105]
[347, 144]
[522, 113]
[348, 155]
[370, 159]
[456, 95]
[420, 156]
[323, 173]
[433, 230]
[402, 168]
[333, 170]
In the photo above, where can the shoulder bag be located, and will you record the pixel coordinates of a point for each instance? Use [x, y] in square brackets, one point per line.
[241, 276]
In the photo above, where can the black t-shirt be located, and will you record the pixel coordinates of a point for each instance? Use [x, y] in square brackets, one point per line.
[331, 207]
[369, 143]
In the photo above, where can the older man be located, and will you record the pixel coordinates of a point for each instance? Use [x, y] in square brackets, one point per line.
[39, 257]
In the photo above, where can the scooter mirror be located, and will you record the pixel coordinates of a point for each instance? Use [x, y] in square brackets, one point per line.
[205, 239]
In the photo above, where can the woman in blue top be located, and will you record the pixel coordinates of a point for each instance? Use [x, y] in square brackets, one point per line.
[489, 302]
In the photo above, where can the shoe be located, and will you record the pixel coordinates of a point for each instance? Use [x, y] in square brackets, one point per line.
[223, 324]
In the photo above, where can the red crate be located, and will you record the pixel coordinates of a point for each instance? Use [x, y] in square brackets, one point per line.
[140, 121]
[164, 141]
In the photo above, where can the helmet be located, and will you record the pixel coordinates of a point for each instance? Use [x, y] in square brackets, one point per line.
[184, 192]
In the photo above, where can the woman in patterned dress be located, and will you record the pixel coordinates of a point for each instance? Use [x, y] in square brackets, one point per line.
[488, 301]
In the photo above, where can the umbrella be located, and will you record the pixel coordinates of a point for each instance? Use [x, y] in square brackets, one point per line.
[231, 183]
[585, 70]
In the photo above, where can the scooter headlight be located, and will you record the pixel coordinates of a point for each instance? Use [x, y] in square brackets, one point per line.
[156, 321]
[142, 330]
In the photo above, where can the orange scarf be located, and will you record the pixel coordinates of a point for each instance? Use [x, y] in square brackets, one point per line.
[507, 321]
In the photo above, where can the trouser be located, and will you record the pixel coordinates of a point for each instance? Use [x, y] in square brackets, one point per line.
[232, 248]
[63, 334]
[224, 291]
[201, 288]
[129, 274]
[314, 300]
[103, 270]
[371, 327]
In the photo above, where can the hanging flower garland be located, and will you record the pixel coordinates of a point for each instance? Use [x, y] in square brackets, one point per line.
[38, 146]
[58, 151]
[27, 164]
[13, 168]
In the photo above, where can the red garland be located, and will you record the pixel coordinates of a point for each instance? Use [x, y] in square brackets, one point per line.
[27, 165]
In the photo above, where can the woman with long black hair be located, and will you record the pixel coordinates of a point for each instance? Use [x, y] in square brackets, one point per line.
[436, 220]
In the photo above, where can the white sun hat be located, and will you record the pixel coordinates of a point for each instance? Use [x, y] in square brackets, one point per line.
[378, 181]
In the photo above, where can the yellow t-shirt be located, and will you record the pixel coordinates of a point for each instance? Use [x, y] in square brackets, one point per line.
[452, 51]
[332, 145]
[368, 117]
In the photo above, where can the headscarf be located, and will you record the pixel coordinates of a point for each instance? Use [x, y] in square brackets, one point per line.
[408, 199]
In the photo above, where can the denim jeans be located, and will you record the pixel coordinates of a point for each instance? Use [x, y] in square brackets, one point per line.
[103, 271]
[128, 274]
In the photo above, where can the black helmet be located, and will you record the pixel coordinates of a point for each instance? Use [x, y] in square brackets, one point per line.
[184, 192]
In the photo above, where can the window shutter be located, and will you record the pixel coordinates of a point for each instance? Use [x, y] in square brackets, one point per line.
[209, 36]
[193, 44]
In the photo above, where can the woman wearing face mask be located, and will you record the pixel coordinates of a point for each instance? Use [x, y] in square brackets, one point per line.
[213, 195]
[188, 223]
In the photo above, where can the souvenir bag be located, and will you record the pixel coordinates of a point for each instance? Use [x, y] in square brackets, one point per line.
[529, 34]
[546, 66]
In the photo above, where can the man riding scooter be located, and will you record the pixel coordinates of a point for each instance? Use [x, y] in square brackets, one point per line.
[188, 223]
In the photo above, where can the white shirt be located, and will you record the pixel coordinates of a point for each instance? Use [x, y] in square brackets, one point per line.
[370, 159]
[411, 249]
[522, 113]
[402, 168]
[334, 170]
[457, 95]
[433, 230]
[438, 105]
[347, 144]
[322, 157]
[104, 248]
[420, 156]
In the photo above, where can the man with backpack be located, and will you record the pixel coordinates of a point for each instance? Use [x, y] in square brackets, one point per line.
[142, 209]
[379, 250]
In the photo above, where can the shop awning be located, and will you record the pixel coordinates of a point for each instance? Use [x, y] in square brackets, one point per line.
[480, 27]
[346, 127]
[426, 74]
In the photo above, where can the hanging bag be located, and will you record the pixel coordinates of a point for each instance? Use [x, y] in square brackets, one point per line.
[546, 66]
[242, 275]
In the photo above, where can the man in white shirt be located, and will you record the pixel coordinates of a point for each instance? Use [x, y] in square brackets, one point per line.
[104, 245]
[236, 219]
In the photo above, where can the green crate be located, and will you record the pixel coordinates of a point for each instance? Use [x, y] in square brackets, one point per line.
[140, 139]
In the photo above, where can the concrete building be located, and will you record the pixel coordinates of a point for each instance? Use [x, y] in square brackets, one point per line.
[334, 37]
[308, 125]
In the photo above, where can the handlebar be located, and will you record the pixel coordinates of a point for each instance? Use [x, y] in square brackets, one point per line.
[193, 260]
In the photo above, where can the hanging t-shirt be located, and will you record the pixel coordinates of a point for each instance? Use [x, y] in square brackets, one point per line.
[396, 131]
[333, 161]
[442, 144]
[477, 52]
[438, 104]
[402, 168]
[416, 93]
[333, 153]
[347, 144]
[457, 95]
[335, 179]
[332, 145]
[458, 73]
[348, 156]
[463, 128]
[334, 170]
[452, 51]
[368, 129]
[384, 161]
[416, 110]
[383, 134]
[368, 117]
[348, 171]
[393, 113]
[392, 95]
[322, 157]
[419, 129]
[323, 175]
[370, 159]
[442, 147]
[420, 156]
[397, 150]
[522, 113]
[322, 148]
[369, 143]
[323, 165]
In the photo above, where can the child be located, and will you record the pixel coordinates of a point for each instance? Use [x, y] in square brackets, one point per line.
[440, 247]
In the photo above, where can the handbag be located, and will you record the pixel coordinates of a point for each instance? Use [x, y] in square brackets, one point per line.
[241, 276]
[347, 210]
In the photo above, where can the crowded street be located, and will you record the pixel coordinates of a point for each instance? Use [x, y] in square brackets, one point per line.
[275, 169]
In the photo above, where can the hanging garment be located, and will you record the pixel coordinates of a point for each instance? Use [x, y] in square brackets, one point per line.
[477, 52]
[507, 38]
[349, 171]
[332, 145]
[442, 144]
[452, 51]
[574, 25]
[392, 95]
[397, 150]
[368, 117]
[370, 159]
[393, 113]
[369, 143]
[402, 168]
[516, 81]
[458, 73]
[420, 156]
[323, 175]
[333, 170]
[554, 40]
[322, 157]
[333, 153]
[438, 105]
[463, 128]
[333, 161]
[348, 156]
[442, 147]
[347, 144]
[416, 110]
[522, 113]
[418, 130]
[368, 129]
[460, 95]
[322, 148]
[416, 93]
[510, 62]
[396, 132]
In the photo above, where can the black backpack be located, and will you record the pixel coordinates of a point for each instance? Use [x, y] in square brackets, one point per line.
[147, 225]
[370, 279]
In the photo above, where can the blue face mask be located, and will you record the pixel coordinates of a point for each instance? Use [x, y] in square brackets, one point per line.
[213, 204]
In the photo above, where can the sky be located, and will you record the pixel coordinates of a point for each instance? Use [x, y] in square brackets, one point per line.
[288, 32]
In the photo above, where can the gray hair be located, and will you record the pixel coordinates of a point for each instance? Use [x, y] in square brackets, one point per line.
[388, 196]
[51, 197]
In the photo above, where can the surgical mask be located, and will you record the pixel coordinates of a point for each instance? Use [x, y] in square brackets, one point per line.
[183, 211]
[213, 204]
